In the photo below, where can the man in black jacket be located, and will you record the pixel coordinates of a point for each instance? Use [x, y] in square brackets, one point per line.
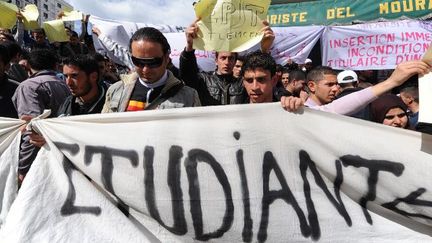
[82, 77]
[88, 95]
[7, 86]
[219, 87]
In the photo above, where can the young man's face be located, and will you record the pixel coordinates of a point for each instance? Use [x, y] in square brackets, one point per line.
[325, 90]
[79, 83]
[39, 37]
[259, 85]
[299, 85]
[285, 79]
[237, 68]
[150, 61]
[225, 62]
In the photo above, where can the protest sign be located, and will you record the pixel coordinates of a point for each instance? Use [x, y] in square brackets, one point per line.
[225, 174]
[8, 15]
[332, 12]
[72, 15]
[425, 91]
[380, 45]
[229, 25]
[31, 14]
[55, 31]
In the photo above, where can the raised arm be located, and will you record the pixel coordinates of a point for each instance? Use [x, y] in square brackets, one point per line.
[352, 103]
[188, 63]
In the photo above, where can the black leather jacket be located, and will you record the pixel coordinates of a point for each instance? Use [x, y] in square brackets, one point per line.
[212, 89]
[71, 107]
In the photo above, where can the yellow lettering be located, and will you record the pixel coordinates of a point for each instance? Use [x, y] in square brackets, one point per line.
[395, 7]
[349, 14]
[384, 8]
[303, 16]
[408, 7]
[330, 13]
[420, 4]
[294, 17]
[430, 4]
[340, 13]
[285, 18]
[279, 18]
[273, 19]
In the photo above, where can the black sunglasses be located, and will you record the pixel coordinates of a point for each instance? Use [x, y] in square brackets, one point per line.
[153, 62]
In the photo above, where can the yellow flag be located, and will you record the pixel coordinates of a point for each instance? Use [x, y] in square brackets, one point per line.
[8, 13]
[31, 14]
[72, 15]
[230, 25]
[55, 31]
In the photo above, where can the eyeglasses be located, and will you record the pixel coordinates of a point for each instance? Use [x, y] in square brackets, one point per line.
[153, 62]
[391, 117]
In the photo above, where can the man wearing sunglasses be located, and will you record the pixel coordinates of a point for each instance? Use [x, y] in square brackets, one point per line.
[151, 86]
[219, 87]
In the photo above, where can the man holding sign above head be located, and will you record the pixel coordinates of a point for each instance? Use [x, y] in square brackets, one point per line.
[225, 34]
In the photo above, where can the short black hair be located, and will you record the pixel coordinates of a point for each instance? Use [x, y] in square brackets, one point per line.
[236, 55]
[257, 60]
[241, 58]
[99, 57]
[153, 35]
[86, 63]
[39, 30]
[43, 59]
[4, 54]
[296, 75]
[318, 73]
[13, 48]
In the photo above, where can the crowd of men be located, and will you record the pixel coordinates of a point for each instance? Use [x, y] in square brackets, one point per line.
[71, 79]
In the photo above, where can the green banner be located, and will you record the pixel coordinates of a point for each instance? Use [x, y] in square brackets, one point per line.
[331, 12]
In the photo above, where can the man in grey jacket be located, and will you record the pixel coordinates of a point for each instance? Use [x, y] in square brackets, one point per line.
[151, 85]
[43, 90]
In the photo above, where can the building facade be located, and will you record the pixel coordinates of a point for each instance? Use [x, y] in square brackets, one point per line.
[48, 9]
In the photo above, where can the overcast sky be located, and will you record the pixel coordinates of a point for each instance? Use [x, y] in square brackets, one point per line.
[171, 12]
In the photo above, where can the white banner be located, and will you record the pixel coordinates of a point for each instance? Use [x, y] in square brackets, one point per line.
[9, 146]
[293, 43]
[226, 173]
[380, 45]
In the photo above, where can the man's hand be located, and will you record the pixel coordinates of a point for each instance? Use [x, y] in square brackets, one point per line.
[60, 15]
[191, 34]
[268, 38]
[405, 70]
[401, 74]
[19, 16]
[37, 139]
[291, 103]
[96, 30]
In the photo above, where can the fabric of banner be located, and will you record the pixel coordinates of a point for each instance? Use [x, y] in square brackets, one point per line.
[380, 45]
[330, 12]
[9, 147]
[227, 174]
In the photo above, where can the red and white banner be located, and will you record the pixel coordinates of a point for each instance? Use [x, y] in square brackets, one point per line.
[380, 45]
